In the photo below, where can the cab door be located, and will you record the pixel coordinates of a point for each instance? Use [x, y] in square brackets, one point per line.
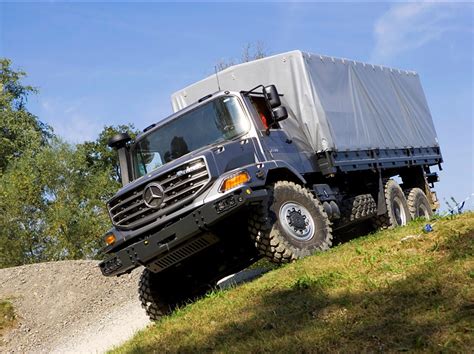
[276, 143]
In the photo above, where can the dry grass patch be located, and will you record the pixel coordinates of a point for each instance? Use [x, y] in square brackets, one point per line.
[7, 317]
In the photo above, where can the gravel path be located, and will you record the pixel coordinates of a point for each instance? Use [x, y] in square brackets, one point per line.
[69, 306]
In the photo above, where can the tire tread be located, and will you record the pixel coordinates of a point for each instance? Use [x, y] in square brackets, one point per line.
[272, 244]
[387, 221]
[154, 306]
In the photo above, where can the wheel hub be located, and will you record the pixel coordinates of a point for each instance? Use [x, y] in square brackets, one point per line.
[422, 212]
[297, 221]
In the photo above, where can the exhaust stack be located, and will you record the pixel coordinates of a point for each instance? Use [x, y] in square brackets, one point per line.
[119, 143]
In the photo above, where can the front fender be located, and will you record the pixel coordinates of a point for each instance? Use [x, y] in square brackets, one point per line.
[279, 170]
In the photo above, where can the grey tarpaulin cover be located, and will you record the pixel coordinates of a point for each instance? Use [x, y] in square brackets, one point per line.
[333, 104]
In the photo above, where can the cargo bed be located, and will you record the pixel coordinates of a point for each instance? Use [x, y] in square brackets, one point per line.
[352, 115]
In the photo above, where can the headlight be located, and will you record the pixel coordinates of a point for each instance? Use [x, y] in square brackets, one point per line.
[234, 180]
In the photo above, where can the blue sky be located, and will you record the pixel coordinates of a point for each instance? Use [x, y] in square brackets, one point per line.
[98, 64]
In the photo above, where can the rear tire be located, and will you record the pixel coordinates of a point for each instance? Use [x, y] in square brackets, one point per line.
[291, 226]
[357, 208]
[418, 204]
[397, 213]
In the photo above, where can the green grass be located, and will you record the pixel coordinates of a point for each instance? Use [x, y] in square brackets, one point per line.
[375, 293]
[7, 316]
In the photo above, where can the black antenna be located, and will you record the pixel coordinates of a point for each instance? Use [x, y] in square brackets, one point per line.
[217, 78]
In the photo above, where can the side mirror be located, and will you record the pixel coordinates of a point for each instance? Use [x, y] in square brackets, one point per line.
[279, 114]
[119, 141]
[272, 96]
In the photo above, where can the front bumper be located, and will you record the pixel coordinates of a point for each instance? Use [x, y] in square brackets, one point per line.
[162, 242]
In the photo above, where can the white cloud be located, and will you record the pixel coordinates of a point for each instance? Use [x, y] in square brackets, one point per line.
[410, 26]
[77, 129]
[68, 121]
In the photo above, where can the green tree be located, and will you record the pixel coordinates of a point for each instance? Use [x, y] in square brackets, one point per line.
[20, 130]
[53, 201]
[21, 212]
[75, 196]
[52, 194]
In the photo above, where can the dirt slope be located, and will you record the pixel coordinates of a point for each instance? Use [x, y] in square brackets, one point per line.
[69, 306]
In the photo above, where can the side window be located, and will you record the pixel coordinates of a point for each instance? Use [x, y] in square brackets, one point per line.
[263, 111]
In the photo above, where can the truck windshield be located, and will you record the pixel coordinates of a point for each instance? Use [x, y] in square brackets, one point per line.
[216, 121]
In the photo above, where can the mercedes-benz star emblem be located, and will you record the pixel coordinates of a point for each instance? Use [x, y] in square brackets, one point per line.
[153, 195]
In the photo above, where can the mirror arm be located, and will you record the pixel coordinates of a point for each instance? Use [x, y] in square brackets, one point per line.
[250, 91]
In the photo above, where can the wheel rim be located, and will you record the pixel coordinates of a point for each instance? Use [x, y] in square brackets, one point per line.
[421, 211]
[296, 220]
[399, 212]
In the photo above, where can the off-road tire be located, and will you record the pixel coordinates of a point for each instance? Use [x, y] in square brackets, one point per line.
[357, 208]
[393, 194]
[270, 237]
[154, 304]
[418, 204]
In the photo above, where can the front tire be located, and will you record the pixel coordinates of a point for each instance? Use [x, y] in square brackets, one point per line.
[397, 213]
[155, 304]
[418, 204]
[161, 293]
[291, 226]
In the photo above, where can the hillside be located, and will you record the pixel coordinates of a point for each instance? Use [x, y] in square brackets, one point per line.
[395, 290]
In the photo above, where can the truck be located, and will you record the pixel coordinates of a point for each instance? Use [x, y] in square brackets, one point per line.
[267, 159]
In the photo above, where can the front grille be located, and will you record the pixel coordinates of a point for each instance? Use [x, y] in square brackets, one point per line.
[180, 186]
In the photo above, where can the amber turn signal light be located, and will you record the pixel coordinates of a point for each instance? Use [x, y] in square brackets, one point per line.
[234, 181]
[110, 239]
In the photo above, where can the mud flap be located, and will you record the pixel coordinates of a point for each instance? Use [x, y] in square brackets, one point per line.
[381, 204]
